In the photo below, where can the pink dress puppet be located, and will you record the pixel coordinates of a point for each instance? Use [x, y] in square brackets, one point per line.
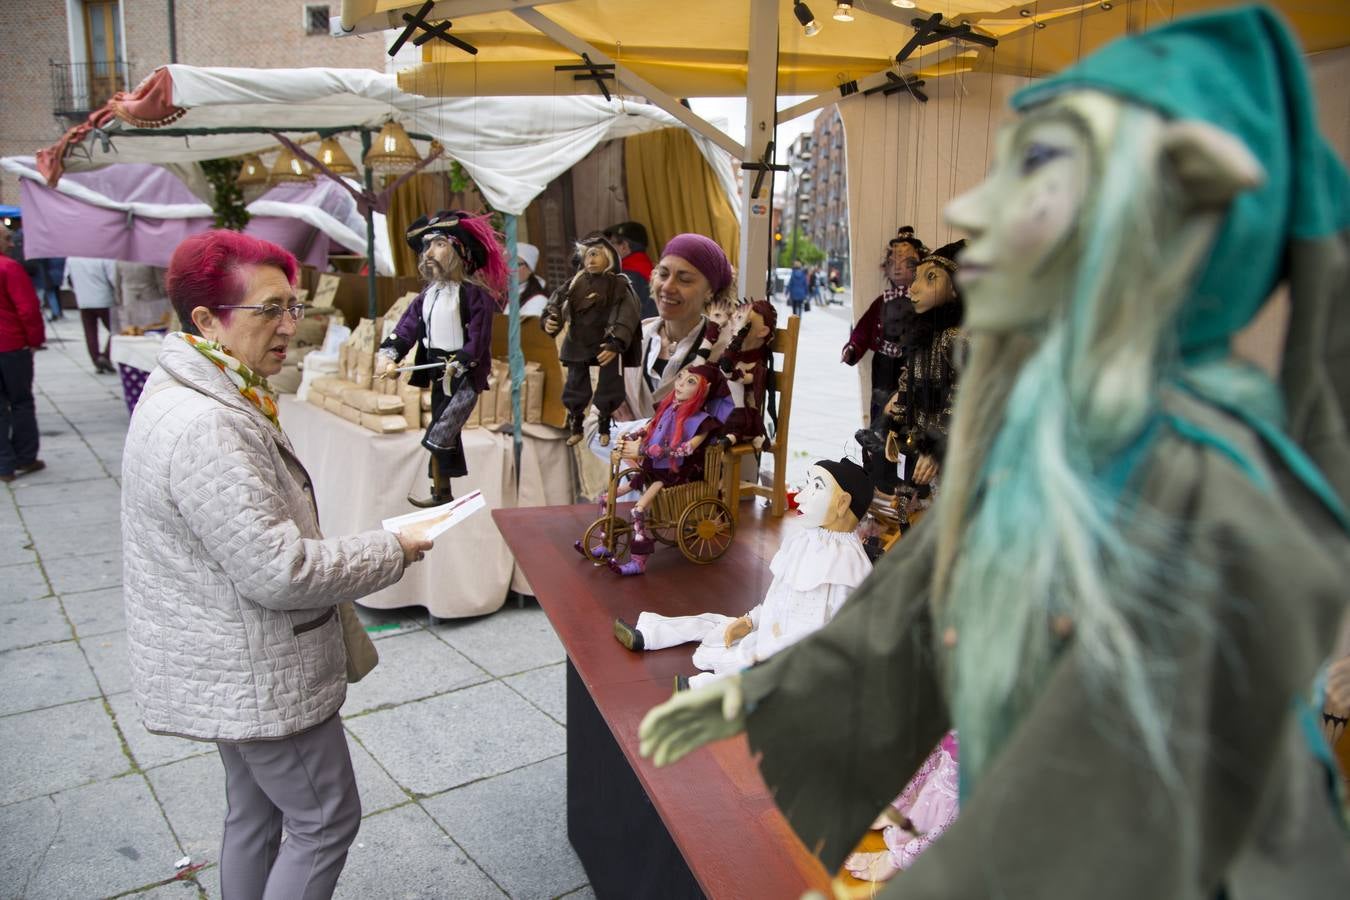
[669, 449]
[746, 364]
[927, 806]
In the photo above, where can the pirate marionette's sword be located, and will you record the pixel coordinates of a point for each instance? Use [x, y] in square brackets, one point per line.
[435, 365]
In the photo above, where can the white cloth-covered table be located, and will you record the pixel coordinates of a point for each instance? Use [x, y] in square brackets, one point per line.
[361, 477]
[136, 352]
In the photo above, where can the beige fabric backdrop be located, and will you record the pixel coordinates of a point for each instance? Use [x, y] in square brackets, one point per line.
[361, 478]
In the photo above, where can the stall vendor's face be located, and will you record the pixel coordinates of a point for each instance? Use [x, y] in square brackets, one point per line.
[680, 290]
[932, 287]
[818, 499]
[686, 386]
[1021, 219]
[440, 261]
[258, 338]
[900, 264]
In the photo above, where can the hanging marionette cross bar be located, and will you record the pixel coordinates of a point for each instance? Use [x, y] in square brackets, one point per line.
[894, 84]
[596, 72]
[931, 30]
[762, 167]
[419, 21]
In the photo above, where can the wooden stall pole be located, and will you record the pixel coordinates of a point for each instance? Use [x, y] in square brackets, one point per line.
[372, 302]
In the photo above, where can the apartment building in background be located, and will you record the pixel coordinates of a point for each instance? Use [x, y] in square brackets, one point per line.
[67, 57]
[815, 192]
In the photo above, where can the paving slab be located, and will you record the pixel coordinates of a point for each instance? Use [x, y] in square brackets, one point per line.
[24, 581]
[42, 676]
[387, 623]
[72, 574]
[508, 641]
[57, 748]
[377, 790]
[187, 889]
[25, 623]
[192, 793]
[403, 853]
[515, 827]
[151, 749]
[107, 655]
[74, 464]
[546, 688]
[96, 612]
[412, 666]
[75, 536]
[92, 841]
[71, 513]
[16, 545]
[434, 745]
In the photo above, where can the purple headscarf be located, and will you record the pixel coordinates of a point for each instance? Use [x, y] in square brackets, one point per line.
[703, 254]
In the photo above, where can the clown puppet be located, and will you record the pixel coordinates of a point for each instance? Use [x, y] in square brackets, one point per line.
[814, 571]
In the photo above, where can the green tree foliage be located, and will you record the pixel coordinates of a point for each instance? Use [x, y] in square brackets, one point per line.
[806, 250]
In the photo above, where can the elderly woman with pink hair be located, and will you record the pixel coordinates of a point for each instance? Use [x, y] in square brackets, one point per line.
[233, 595]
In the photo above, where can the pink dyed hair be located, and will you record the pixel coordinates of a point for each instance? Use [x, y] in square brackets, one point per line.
[206, 270]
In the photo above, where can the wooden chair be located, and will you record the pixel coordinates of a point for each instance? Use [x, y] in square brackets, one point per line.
[784, 347]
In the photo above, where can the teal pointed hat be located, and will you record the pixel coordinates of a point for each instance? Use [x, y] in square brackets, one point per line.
[1239, 70]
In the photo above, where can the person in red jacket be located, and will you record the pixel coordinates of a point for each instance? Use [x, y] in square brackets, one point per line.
[21, 334]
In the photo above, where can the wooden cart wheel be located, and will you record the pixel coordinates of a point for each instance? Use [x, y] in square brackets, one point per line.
[705, 530]
[608, 537]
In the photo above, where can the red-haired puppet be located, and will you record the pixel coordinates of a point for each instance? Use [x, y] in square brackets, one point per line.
[670, 450]
[746, 366]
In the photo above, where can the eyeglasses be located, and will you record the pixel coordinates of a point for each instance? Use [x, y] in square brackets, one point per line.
[271, 311]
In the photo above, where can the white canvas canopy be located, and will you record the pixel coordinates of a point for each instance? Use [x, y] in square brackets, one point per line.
[512, 147]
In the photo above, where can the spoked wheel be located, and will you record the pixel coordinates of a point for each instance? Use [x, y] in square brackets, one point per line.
[607, 538]
[705, 530]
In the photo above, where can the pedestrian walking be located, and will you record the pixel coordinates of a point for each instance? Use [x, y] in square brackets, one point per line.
[797, 287]
[94, 282]
[238, 622]
[21, 335]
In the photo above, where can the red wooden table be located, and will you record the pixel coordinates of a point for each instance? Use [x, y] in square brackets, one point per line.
[712, 804]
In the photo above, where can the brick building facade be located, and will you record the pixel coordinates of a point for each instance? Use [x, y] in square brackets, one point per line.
[51, 83]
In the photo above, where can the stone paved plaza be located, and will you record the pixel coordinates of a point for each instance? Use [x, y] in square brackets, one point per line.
[458, 737]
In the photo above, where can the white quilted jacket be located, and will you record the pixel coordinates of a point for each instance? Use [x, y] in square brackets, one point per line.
[230, 588]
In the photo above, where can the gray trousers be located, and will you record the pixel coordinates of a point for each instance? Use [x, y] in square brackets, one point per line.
[303, 783]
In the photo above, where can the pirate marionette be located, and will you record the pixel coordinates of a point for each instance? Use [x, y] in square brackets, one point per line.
[450, 323]
[603, 320]
[882, 327]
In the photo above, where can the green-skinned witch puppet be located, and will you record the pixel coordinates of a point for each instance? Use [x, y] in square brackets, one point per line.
[1123, 596]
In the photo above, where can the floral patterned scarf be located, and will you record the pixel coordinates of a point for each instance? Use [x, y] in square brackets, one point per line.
[252, 386]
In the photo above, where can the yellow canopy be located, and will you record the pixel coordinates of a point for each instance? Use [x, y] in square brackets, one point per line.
[697, 48]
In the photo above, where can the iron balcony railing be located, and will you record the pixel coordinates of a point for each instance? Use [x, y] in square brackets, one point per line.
[79, 88]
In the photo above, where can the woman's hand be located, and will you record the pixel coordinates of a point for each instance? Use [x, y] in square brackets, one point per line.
[413, 548]
[925, 470]
[605, 357]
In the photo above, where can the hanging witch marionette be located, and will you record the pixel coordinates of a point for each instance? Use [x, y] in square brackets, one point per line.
[746, 363]
[904, 446]
[603, 321]
[450, 323]
[883, 326]
[1137, 564]
[669, 450]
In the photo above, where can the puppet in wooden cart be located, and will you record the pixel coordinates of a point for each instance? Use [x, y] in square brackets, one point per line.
[450, 325]
[603, 322]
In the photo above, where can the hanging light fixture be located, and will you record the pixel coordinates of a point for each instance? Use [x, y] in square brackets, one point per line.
[289, 167]
[843, 11]
[810, 27]
[392, 152]
[903, 4]
[252, 178]
[335, 158]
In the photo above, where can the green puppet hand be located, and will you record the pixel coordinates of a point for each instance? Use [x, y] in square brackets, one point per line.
[691, 719]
